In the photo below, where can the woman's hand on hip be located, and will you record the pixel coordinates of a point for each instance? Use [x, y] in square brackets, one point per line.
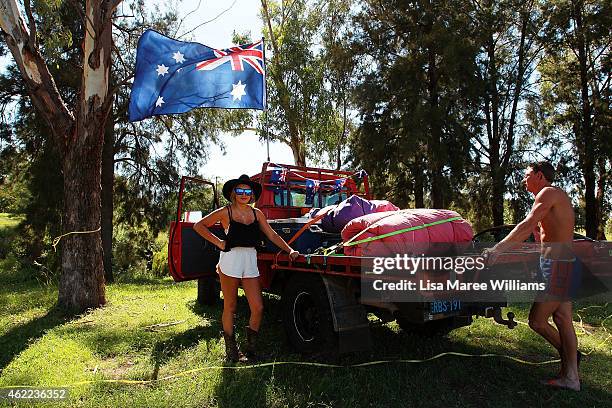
[223, 245]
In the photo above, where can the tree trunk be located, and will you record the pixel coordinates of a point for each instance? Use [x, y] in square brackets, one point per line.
[497, 206]
[297, 145]
[81, 284]
[342, 136]
[419, 201]
[496, 171]
[586, 135]
[517, 213]
[600, 197]
[498, 186]
[518, 87]
[108, 176]
[435, 142]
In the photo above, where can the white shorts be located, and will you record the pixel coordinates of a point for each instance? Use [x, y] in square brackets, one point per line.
[239, 262]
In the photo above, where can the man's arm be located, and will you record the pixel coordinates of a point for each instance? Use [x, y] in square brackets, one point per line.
[542, 205]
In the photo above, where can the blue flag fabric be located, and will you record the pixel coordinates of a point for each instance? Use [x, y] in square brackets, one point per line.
[176, 76]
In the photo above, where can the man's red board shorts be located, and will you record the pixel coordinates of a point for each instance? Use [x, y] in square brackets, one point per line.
[562, 278]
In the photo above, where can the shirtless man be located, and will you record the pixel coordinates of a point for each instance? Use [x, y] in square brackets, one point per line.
[552, 211]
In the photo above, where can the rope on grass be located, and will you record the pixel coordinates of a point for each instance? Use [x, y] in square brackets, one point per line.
[57, 240]
[296, 363]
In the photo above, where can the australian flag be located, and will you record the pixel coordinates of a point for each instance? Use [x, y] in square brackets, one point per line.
[176, 76]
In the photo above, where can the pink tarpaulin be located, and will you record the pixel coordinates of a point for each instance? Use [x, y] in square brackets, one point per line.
[383, 205]
[412, 242]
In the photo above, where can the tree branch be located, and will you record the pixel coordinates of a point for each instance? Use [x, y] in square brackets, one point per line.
[37, 78]
[113, 4]
[208, 21]
[31, 23]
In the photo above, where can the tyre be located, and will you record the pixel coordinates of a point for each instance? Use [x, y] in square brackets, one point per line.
[208, 291]
[428, 329]
[307, 316]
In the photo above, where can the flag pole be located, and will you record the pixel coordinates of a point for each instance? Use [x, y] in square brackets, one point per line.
[265, 86]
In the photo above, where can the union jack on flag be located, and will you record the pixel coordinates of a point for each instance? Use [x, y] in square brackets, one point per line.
[313, 184]
[174, 77]
[251, 54]
[278, 175]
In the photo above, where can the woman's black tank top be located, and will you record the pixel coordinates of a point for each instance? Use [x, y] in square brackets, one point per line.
[242, 235]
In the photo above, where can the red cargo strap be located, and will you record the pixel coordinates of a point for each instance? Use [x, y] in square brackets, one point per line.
[301, 230]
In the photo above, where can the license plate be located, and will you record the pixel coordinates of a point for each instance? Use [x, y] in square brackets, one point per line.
[444, 306]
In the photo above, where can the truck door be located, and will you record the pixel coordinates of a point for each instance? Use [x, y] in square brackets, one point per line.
[189, 255]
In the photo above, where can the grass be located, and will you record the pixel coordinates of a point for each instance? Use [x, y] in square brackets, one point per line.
[41, 347]
[119, 341]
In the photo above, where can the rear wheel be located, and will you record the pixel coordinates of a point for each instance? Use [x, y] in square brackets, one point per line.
[307, 316]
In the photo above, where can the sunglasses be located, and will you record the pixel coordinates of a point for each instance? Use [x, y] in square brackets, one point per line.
[243, 191]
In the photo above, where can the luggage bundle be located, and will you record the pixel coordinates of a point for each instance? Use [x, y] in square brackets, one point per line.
[379, 228]
[341, 214]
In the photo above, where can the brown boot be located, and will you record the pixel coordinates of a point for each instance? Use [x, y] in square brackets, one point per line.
[232, 355]
[251, 347]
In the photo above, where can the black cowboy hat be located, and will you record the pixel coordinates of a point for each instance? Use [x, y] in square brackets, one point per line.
[229, 185]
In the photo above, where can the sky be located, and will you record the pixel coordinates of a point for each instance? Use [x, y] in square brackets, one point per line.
[244, 153]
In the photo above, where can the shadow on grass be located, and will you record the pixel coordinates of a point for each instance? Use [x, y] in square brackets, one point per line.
[163, 351]
[19, 338]
[447, 381]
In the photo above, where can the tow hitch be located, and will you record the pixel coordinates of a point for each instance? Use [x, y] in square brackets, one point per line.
[495, 313]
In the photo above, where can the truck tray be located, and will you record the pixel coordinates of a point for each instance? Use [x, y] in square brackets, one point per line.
[310, 240]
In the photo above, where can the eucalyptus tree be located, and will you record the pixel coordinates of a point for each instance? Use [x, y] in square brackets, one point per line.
[305, 110]
[78, 130]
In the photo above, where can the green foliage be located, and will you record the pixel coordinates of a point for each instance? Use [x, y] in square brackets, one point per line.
[160, 256]
[17, 261]
[132, 247]
[14, 192]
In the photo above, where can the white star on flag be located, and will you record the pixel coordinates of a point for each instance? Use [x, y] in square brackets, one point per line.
[162, 70]
[238, 91]
[160, 101]
[178, 57]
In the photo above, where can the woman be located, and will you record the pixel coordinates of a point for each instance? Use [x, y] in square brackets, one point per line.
[243, 225]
